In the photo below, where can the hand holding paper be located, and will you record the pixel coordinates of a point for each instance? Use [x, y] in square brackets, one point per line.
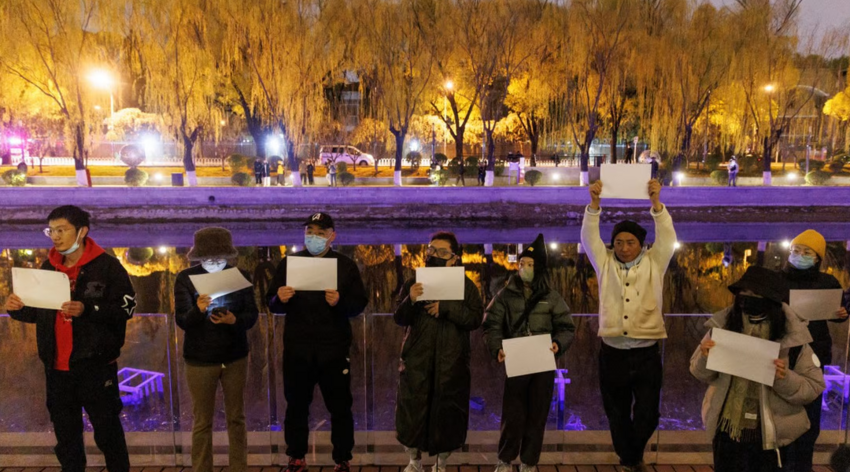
[41, 288]
[311, 273]
[528, 355]
[626, 181]
[816, 304]
[441, 283]
[218, 284]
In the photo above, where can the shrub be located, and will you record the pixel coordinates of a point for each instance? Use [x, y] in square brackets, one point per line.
[712, 162]
[837, 165]
[135, 177]
[748, 163]
[132, 155]
[346, 179]
[720, 177]
[237, 163]
[139, 255]
[14, 178]
[471, 162]
[441, 159]
[817, 177]
[814, 165]
[499, 169]
[242, 179]
[341, 167]
[533, 176]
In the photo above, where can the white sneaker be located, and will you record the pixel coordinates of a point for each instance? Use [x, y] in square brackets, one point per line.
[503, 467]
[527, 468]
[414, 466]
[438, 468]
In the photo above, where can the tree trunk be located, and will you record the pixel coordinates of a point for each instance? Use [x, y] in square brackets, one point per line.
[188, 162]
[292, 163]
[534, 137]
[399, 152]
[459, 143]
[615, 131]
[83, 179]
[766, 175]
[491, 158]
[258, 132]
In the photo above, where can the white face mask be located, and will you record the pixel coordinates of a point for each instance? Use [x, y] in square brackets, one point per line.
[213, 265]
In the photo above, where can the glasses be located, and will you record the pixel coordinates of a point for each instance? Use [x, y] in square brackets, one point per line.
[801, 251]
[59, 232]
[441, 252]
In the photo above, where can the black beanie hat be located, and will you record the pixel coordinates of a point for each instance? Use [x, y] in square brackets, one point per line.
[536, 251]
[629, 227]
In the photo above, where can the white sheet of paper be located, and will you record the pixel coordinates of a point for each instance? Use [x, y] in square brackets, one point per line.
[627, 181]
[528, 355]
[744, 356]
[816, 304]
[441, 283]
[221, 283]
[311, 273]
[41, 288]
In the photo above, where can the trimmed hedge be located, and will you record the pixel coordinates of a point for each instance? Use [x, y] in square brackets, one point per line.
[14, 178]
[242, 179]
[533, 177]
[346, 179]
[135, 177]
[817, 177]
[720, 177]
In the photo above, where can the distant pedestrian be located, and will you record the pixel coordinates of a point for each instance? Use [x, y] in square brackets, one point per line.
[460, 171]
[513, 170]
[258, 171]
[267, 173]
[733, 172]
[332, 174]
[302, 169]
[556, 158]
[630, 153]
[482, 173]
[281, 173]
[310, 169]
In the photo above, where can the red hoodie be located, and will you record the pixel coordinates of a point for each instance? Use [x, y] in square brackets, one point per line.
[63, 325]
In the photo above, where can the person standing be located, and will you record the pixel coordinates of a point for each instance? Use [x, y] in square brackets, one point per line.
[302, 169]
[332, 174]
[215, 348]
[631, 282]
[310, 169]
[267, 173]
[752, 425]
[317, 341]
[733, 171]
[482, 172]
[630, 153]
[527, 306]
[432, 411]
[461, 169]
[258, 171]
[802, 271]
[80, 344]
[281, 173]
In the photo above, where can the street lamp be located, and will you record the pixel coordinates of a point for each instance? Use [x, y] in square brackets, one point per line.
[769, 88]
[102, 79]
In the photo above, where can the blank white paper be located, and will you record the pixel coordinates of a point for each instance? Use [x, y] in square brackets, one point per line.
[441, 283]
[528, 355]
[627, 181]
[816, 304]
[218, 284]
[311, 273]
[743, 356]
[41, 288]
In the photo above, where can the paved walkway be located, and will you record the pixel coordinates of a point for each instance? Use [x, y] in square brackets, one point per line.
[465, 468]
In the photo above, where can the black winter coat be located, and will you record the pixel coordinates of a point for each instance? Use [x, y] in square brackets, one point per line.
[432, 408]
[205, 341]
[814, 279]
[104, 287]
[310, 321]
[550, 315]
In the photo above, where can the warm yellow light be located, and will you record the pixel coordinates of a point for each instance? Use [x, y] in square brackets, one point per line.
[101, 79]
[449, 85]
[769, 88]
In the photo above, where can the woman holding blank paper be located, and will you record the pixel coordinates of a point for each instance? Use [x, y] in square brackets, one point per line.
[527, 306]
[215, 348]
[803, 272]
[751, 424]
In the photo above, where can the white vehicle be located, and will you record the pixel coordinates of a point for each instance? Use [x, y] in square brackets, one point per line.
[348, 154]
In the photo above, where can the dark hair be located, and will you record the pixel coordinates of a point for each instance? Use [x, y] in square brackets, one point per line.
[75, 215]
[735, 320]
[450, 238]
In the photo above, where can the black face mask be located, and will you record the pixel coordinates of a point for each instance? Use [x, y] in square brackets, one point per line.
[754, 306]
[434, 261]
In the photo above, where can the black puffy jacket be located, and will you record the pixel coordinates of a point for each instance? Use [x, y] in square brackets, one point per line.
[205, 341]
[814, 279]
[104, 287]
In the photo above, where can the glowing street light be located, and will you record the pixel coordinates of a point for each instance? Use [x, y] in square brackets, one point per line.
[449, 85]
[414, 145]
[769, 88]
[102, 79]
[786, 244]
[792, 176]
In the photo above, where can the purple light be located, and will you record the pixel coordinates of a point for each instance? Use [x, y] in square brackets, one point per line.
[15, 141]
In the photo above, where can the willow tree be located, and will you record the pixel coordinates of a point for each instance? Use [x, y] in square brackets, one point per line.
[50, 46]
[180, 76]
[398, 64]
[591, 34]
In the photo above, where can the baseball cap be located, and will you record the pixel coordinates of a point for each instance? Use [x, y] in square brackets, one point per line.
[322, 220]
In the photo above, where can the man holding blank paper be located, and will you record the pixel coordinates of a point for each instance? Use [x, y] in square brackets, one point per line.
[527, 307]
[432, 410]
[808, 284]
[317, 338]
[631, 282]
[754, 405]
[79, 344]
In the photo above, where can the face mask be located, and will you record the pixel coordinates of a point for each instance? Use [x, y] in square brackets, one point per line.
[315, 244]
[754, 306]
[214, 265]
[434, 261]
[801, 262]
[73, 247]
[526, 274]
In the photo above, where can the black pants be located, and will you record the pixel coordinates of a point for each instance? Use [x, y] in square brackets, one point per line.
[304, 179]
[303, 368]
[630, 381]
[800, 451]
[733, 456]
[258, 179]
[525, 408]
[310, 178]
[94, 388]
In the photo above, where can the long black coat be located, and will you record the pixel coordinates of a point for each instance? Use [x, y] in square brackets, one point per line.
[814, 279]
[432, 410]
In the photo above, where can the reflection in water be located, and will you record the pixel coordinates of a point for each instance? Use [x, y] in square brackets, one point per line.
[695, 286]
